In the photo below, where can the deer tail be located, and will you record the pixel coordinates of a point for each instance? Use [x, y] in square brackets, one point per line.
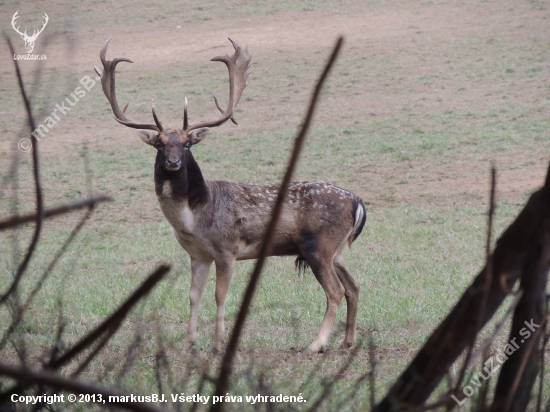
[360, 217]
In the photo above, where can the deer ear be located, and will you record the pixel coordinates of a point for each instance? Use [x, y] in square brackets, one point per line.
[148, 136]
[198, 135]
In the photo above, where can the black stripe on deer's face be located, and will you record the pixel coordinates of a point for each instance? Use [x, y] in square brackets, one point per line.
[172, 145]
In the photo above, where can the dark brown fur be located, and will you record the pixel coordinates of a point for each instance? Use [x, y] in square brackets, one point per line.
[222, 222]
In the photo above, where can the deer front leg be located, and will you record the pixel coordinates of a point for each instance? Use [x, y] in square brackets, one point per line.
[199, 275]
[224, 274]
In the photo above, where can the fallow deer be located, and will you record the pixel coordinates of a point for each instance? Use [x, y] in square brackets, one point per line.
[222, 222]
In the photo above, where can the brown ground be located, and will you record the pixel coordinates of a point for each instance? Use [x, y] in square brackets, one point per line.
[415, 41]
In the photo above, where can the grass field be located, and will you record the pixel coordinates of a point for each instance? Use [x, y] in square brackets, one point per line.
[425, 97]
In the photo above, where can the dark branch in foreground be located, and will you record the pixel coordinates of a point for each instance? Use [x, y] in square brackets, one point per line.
[113, 321]
[109, 326]
[487, 282]
[18, 315]
[519, 373]
[16, 221]
[227, 361]
[38, 187]
[522, 242]
[58, 382]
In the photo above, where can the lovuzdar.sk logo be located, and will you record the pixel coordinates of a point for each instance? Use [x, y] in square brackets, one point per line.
[29, 39]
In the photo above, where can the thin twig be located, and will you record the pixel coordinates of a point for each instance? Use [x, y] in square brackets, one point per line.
[487, 344]
[58, 346]
[486, 284]
[227, 361]
[19, 315]
[327, 389]
[16, 221]
[353, 391]
[91, 356]
[371, 374]
[512, 252]
[38, 188]
[129, 358]
[114, 321]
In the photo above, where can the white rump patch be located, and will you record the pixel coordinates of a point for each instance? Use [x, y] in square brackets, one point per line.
[359, 211]
[358, 216]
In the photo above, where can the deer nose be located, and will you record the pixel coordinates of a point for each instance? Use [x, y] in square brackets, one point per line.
[173, 162]
[173, 159]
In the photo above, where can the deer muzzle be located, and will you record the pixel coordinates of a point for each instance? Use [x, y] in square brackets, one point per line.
[173, 162]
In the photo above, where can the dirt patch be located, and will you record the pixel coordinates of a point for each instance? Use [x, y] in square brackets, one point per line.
[454, 184]
[399, 62]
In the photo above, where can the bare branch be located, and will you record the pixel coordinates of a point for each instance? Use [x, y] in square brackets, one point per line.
[53, 380]
[115, 319]
[111, 324]
[372, 371]
[38, 188]
[328, 387]
[487, 284]
[16, 221]
[227, 361]
[487, 344]
[523, 364]
[19, 315]
[514, 250]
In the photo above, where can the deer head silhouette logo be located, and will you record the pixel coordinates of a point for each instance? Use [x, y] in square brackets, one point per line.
[29, 40]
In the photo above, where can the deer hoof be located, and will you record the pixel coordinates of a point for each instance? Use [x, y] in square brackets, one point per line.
[310, 351]
[346, 345]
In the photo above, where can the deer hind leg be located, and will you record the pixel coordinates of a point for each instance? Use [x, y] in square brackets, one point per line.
[352, 299]
[325, 274]
[224, 274]
[199, 275]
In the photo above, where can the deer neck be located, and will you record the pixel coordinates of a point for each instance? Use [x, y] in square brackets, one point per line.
[186, 185]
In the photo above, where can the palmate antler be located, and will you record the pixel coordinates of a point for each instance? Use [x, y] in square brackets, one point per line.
[108, 85]
[237, 65]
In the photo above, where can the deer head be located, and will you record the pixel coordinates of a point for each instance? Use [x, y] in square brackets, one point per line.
[172, 144]
[29, 40]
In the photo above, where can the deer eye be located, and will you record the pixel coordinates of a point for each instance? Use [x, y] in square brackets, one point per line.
[187, 145]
